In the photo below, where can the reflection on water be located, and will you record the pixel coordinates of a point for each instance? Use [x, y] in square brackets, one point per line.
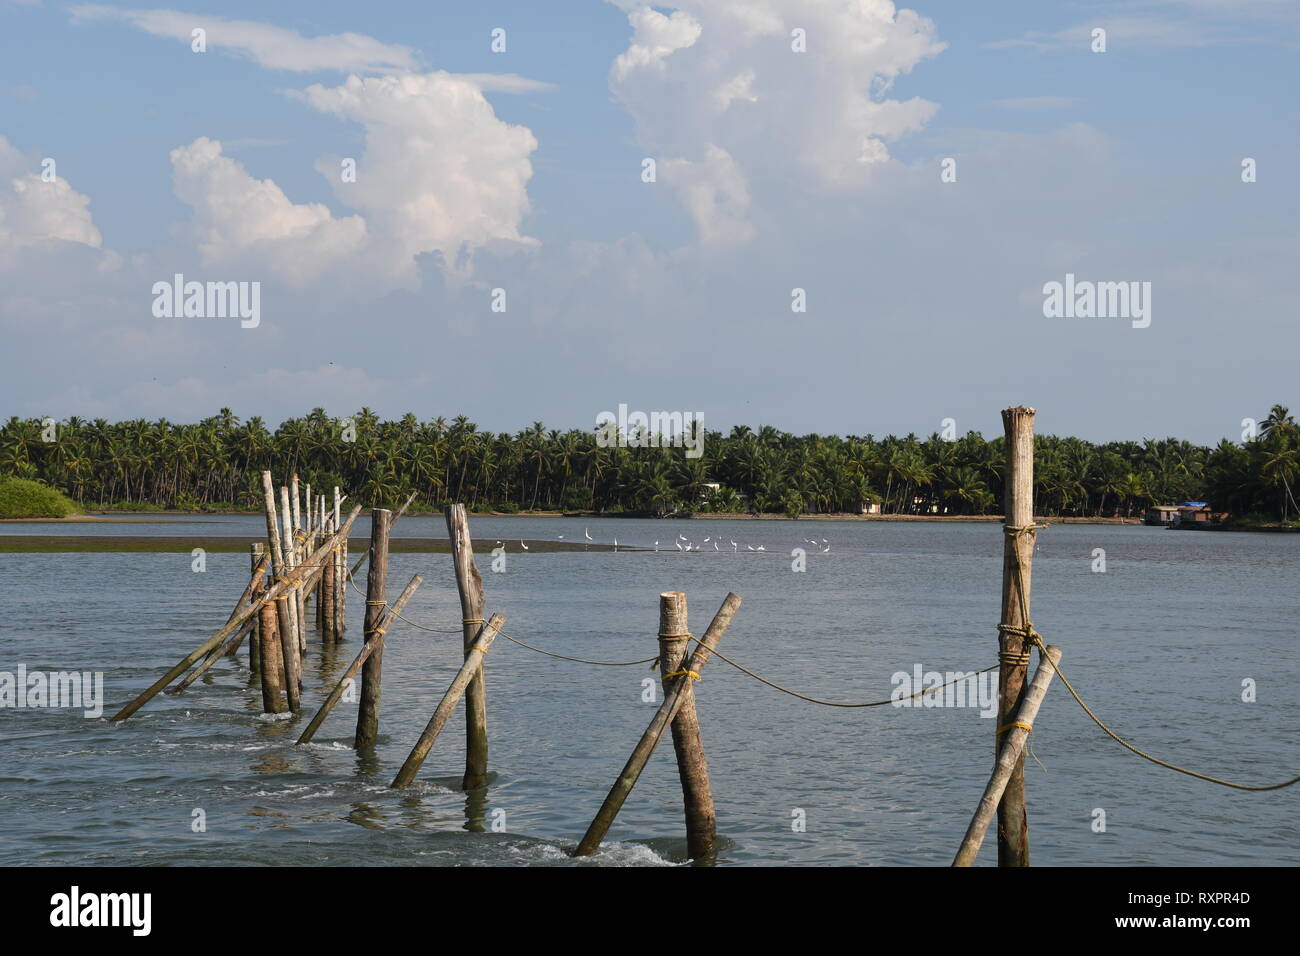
[1159, 645]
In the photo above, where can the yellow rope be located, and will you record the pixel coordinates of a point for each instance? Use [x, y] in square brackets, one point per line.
[1015, 723]
[689, 673]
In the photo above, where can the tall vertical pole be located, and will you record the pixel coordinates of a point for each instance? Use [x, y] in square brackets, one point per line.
[697, 796]
[284, 616]
[1013, 647]
[376, 604]
[470, 584]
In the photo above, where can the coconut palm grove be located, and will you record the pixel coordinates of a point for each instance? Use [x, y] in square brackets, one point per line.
[215, 465]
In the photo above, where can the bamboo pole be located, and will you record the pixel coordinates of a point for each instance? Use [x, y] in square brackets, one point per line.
[473, 663]
[340, 596]
[292, 560]
[325, 607]
[470, 585]
[673, 697]
[272, 660]
[376, 602]
[697, 796]
[274, 591]
[255, 642]
[1016, 734]
[280, 567]
[360, 659]
[1017, 559]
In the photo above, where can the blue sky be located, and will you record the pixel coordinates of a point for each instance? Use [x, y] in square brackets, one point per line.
[521, 170]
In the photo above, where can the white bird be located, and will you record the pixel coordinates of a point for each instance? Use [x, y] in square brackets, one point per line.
[827, 548]
[750, 547]
[761, 548]
[706, 540]
[715, 546]
[522, 545]
[733, 546]
[682, 537]
[616, 544]
[587, 535]
[679, 545]
[656, 546]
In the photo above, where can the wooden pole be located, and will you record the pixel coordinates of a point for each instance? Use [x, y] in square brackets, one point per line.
[292, 561]
[255, 642]
[327, 597]
[470, 585]
[360, 659]
[473, 662]
[1013, 649]
[272, 660]
[376, 602]
[284, 615]
[340, 586]
[701, 820]
[1012, 756]
[627, 779]
[276, 589]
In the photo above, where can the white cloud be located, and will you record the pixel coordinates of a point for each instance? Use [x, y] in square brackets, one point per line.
[718, 78]
[715, 193]
[440, 173]
[274, 48]
[34, 212]
[246, 222]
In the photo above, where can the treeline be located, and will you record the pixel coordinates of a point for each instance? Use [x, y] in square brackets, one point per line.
[216, 464]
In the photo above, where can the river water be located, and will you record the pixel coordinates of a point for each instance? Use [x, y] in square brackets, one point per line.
[1159, 645]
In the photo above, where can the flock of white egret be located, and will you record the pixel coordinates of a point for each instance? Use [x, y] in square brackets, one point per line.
[685, 544]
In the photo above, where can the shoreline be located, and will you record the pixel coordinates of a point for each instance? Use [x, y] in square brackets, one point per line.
[164, 517]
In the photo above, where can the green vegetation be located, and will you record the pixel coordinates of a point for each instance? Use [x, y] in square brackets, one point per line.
[20, 498]
[215, 465]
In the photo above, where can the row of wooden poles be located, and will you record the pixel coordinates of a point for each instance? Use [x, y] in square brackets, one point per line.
[307, 558]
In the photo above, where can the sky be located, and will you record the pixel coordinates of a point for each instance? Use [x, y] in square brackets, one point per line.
[914, 177]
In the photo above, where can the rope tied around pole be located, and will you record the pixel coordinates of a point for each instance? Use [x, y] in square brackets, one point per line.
[1028, 728]
[683, 672]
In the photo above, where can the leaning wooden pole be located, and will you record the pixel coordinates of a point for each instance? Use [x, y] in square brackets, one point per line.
[701, 820]
[1015, 734]
[470, 585]
[350, 674]
[255, 639]
[277, 588]
[376, 604]
[627, 779]
[1013, 648]
[473, 662]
